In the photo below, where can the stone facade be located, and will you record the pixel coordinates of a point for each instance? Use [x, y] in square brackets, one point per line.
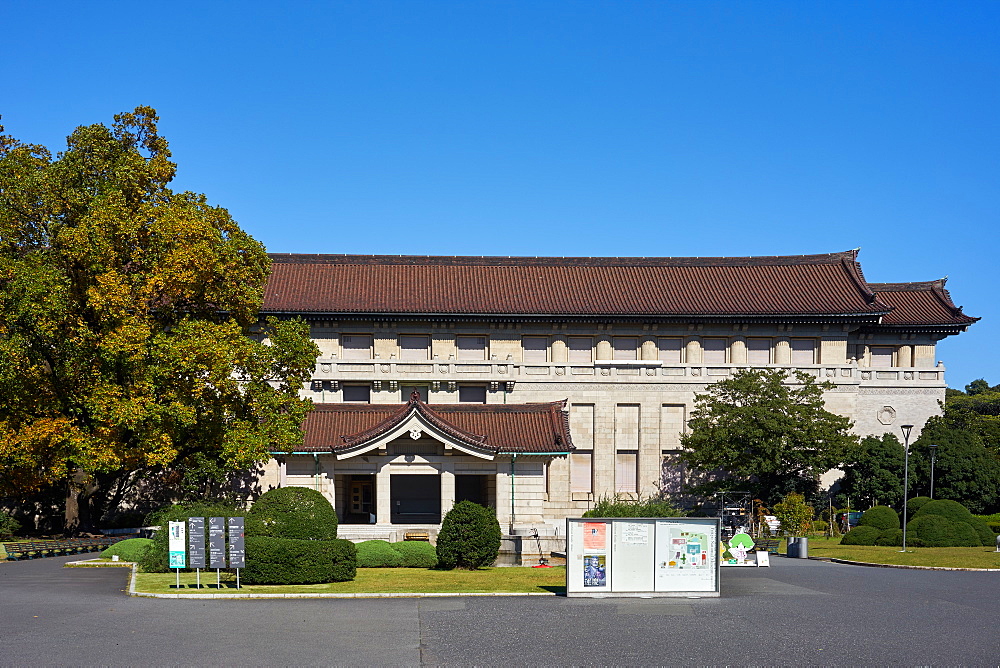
[629, 385]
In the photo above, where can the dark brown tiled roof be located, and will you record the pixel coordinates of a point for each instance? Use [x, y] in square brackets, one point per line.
[820, 285]
[490, 428]
[923, 303]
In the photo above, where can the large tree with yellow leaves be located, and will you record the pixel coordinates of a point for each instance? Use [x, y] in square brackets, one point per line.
[129, 331]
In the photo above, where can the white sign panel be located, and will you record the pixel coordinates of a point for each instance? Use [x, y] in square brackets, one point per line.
[176, 544]
[687, 556]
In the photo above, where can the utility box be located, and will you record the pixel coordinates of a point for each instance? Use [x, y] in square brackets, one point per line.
[654, 556]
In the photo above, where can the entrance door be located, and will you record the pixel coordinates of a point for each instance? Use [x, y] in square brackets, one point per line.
[473, 488]
[415, 499]
[360, 501]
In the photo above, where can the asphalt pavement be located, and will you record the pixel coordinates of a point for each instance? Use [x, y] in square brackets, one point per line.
[797, 612]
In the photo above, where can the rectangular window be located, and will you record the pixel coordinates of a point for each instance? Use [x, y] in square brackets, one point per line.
[626, 471]
[356, 346]
[414, 347]
[581, 471]
[881, 356]
[472, 394]
[714, 351]
[803, 351]
[471, 347]
[669, 349]
[625, 347]
[581, 349]
[535, 349]
[758, 352]
[357, 394]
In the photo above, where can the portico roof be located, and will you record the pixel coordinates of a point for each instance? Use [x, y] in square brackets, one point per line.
[490, 429]
[924, 303]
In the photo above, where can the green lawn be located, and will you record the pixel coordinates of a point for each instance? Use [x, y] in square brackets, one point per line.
[380, 580]
[953, 557]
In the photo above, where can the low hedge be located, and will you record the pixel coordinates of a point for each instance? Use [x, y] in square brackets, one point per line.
[861, 535]
[378, 554]
[291, 561]
[894, 538]
[130, 549]
[416, 553]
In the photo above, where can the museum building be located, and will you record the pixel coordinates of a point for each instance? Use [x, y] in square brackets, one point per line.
[538, 385]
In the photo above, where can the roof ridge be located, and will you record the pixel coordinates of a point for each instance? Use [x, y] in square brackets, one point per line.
[569, 261]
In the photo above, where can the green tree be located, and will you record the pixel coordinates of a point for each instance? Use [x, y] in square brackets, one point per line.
[794, 514]
[965, 470]
[977, 412]
[873, 472]
[129, 331]
[769, 433]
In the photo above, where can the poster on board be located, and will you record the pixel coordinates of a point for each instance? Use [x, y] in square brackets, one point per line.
[175, 544]
[686, 556]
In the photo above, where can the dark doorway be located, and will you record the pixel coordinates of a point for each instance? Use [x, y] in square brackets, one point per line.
[360, 505]
[473, 488]
[416, 499]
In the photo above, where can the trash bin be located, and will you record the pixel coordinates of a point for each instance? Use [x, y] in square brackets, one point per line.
[792, 547]
[803, 547]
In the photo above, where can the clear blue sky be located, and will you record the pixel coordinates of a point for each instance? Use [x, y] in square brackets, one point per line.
[559, 128]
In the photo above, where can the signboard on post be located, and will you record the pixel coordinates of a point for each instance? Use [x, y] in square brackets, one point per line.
[217, 542]
[237, 551]
[175, 544]
[642, 556]
[196, 542]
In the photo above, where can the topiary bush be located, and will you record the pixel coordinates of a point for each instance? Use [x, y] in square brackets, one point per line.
[954, 511]
[298, 513]
[894, 538]
[377, 554]
[469, 537]
[882, 518]
[934, 530]
[282, 561]
[915, 504]
[416, 553]
[130, 549]
[155, 559]
[861, 535]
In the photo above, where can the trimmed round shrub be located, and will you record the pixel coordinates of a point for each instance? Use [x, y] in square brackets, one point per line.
[469, 537]
[986, 535]
[882, 518]
[377, 554]
[155, 559]
[861, 535]
[282, 561]
[130, 549]
[416, 553]
[292, 512]
[951, 510]
[934, 530]
[894, 538]
[914, 505]
[966, 536]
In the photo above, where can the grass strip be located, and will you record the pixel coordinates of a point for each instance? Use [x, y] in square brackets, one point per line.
[947, 557]
[513, 580]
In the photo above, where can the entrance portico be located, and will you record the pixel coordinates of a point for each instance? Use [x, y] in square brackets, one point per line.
[389, 469]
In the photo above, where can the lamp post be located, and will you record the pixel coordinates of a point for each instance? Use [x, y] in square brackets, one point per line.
[933, 447]
[906, 428]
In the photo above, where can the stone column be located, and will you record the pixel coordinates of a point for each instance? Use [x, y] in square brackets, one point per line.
[905, 356]
[648, 351]
[782, 351]
[447, 488]
[738, 350]
[692, 351]
[383, 500]
[560, 354]
[604, 351]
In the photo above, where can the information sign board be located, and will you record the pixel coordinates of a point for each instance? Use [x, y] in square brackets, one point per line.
[175, 544]
[237, 551]
[217, 542]
[642, 556]
[196, 542]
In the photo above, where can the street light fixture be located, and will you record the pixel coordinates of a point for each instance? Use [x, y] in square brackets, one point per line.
[933, 447]
[906, 428]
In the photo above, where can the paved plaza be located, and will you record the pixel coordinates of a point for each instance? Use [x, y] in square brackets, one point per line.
[797, 612]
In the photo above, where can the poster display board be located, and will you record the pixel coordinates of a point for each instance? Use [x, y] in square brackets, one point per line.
[175, 544]
[676, 556]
